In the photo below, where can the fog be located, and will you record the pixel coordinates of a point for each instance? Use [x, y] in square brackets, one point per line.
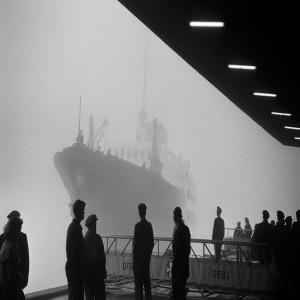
[52, 52]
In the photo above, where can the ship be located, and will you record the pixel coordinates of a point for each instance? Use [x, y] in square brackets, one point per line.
[114, 178]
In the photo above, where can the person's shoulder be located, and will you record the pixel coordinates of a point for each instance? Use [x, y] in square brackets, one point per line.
[23, 235]
[186, 229]
[74, 226]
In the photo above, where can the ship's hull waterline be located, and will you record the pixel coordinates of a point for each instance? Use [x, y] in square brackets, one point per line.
[112, 189]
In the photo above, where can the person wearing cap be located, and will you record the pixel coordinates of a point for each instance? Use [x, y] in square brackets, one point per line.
[296, 256]
[143, 243]
[75, 253]
[181, 248]
[11, 271]
[218, 233]
[263, 233]
[94, 262]
[22, 243]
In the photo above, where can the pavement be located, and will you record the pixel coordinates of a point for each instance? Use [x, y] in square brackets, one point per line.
[129, 295]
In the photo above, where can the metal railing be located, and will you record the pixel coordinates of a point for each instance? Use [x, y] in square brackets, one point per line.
[231, 251]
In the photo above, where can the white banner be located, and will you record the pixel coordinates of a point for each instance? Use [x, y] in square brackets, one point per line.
[228, 275]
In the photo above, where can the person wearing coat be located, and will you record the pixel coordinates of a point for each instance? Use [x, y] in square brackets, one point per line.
[11, 276]
[23, 249]
[181, 248]
[94, 262]
[143, 243]
[218, 233]
[75, 253]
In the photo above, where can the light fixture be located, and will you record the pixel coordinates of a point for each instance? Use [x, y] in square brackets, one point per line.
[260, 94]
[281, 114]
[206, 24]
[292, 128]
[297, 138]
[242, 67]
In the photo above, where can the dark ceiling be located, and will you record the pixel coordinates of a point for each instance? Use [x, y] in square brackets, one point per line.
[254, 33]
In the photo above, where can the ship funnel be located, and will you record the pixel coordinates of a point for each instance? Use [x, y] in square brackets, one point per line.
[91, 136]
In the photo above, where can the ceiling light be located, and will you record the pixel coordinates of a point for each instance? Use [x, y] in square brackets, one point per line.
[242, 67]
[281, 114]
[206, 24]
[291, 127]
[265, 94]
[297, 138]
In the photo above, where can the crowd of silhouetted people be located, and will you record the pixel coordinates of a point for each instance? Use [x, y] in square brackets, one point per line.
[86, 259]
[283, 237]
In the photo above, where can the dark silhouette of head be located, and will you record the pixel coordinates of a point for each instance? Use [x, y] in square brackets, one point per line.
[298, 215]
[288, 221]
[238, 224]
[177, 215]
[13, 214]
[91, 222]
[219, 211]
[142, 210]
[280, 216]
[13, 228]
[272, 223]
[78, 209]
[247, 220]
[266, 215]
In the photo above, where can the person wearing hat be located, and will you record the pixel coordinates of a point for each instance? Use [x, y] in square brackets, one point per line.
[22, 243]
[218, 233]
[263, 233]
[75, 253]
[143, 243]
[94, 262]
[11, 268]
[181, 248]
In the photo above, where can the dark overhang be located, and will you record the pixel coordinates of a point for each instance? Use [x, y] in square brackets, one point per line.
[254, 33]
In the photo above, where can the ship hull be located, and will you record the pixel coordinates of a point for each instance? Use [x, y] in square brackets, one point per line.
[112, 189]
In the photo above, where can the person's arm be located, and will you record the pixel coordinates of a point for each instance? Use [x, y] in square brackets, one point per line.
[134, 240]
[152, 237]
[214, 231]
[223, 229]
[25, 258]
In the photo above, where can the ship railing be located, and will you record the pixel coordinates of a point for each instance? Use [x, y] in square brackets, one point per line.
[231, 250]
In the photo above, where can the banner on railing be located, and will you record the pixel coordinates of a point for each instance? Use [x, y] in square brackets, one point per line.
[228, 275]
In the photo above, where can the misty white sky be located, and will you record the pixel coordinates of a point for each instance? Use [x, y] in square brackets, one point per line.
[51, 52]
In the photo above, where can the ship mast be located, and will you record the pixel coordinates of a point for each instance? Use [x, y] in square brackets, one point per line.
[156, 165]
[79, 138]
[79, 117]
[143, 114]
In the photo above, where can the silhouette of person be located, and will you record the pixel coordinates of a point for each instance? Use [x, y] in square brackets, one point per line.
[143, 243]
[272, 223]
[296, 256]
[238, 232]
[11, 276]
[218, 233]
[94, 262]
[181, 248]
[247, 230]
[262, 234]
[22, 243]
[280, 245]
[75, 253]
